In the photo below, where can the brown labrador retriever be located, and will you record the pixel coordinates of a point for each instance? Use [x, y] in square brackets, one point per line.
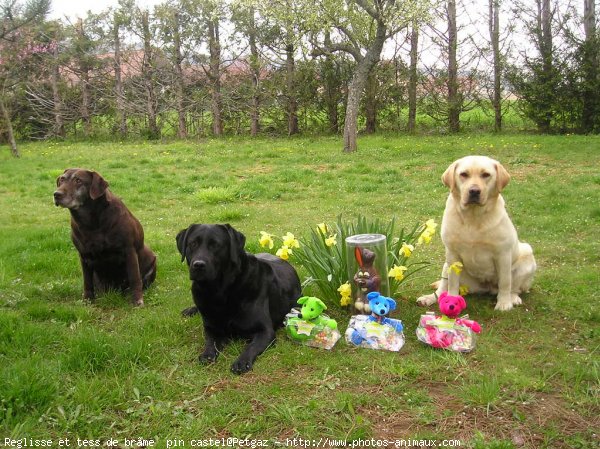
[110, 240]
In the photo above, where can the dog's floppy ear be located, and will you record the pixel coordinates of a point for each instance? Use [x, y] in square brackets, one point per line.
[181, 239]
[502, 176]
[237, 242]
[392, 304]
[98, 187]
[448, 176]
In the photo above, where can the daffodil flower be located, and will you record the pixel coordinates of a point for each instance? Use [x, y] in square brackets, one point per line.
[397, 272]
[406, 249]
[322, 228]
[456, 267]
[331, 240]
[345, 301]
[284, 252]
[345, 289]
[425, 237]
[431, 225]
[463, 290]
[266, 239]
[290, 241]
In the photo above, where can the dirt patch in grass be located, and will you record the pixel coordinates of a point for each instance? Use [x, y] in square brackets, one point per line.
[545, 418]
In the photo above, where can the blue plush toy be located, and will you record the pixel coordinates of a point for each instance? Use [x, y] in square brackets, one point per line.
[380, 306]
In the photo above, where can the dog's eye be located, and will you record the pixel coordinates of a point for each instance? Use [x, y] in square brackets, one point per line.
[77, 181]
[485, 175]
[464, 175]
[193, 244]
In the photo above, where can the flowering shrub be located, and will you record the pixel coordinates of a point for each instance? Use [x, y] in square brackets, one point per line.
[323, 254]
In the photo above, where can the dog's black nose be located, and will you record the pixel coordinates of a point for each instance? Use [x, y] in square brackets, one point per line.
[58, 195]
[198, 265]
[474, 191]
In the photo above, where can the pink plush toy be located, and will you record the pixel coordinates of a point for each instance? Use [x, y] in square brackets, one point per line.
[439, 330]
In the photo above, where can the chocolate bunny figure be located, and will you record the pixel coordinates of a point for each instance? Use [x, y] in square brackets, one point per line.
[367, 279]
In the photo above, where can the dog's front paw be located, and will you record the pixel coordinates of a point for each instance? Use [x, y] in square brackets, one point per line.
[190, 311]
[427, 300]
[516, 300]
[241, 366]
[207, 357]
[503, 306]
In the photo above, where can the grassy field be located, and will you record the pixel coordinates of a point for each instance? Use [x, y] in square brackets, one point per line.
[107, 370]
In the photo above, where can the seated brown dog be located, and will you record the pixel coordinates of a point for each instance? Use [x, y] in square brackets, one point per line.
[110, 240]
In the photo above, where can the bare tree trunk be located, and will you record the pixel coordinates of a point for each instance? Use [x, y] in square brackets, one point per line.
[371, 104]
[85, 102]
[148, 68]
[454, 100]
[59, 126]
[412, 79]
[180, 82]
[363, 67]
[119, 92]
[547, 75]
[591, 96]
[84, 76]
[214, 44]
[292, 103]
[255, 70]
[331, 88]
[494, 23]
[9, 129]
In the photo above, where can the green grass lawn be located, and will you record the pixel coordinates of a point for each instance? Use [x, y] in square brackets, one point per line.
[107, 370]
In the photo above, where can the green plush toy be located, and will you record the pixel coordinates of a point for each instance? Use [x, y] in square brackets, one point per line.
[309, 319]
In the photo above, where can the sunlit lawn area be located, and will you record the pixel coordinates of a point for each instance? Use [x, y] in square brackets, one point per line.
[108, 370]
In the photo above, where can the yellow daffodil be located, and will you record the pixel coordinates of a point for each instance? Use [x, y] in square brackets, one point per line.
[345, 289]
[431, 225]
[456, 267]
[266, 239]
[290, 241]
[284, 252]
[322, 228]
[331, 240]
[406, 249]
[397, 272]
[425, 237]
[428, 232]
[345, 301]
[463, 290]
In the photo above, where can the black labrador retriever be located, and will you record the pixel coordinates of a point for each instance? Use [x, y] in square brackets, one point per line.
[239, 295]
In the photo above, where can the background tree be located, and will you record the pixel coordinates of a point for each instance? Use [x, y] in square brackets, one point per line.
[452, 81]
[538, 80]
[16, 44]
[362, 28]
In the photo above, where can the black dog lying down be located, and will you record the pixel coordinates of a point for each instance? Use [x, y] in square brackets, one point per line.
[239, 295]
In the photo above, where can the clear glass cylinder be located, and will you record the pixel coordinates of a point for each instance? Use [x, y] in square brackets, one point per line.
[367, 268]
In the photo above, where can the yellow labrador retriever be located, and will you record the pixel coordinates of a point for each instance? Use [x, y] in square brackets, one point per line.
[477, 232]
